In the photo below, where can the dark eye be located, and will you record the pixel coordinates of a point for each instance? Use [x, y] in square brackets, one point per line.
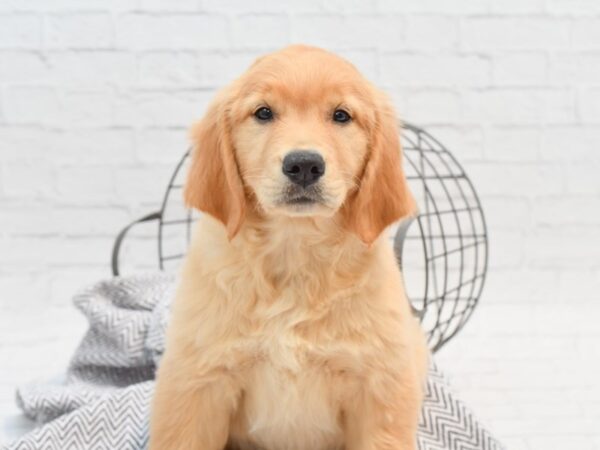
[263, 114]
[339, 115]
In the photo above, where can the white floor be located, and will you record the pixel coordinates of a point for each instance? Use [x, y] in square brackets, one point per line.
[531, 373]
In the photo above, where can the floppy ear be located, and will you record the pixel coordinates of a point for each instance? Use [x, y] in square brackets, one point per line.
[383, 196]
[213, 182]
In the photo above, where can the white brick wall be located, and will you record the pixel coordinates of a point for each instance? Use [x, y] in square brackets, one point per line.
[96, 97]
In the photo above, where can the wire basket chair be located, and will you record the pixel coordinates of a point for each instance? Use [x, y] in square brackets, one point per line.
[443, 252]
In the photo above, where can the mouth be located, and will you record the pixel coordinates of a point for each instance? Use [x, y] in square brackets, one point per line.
[302, 200]
[295, 196]
[297, 201]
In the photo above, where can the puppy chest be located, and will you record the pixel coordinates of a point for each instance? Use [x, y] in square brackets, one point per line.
[288, 402]
[290, 411]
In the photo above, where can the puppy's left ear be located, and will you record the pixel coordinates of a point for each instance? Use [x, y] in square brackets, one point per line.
[383, 196]
[213, 183]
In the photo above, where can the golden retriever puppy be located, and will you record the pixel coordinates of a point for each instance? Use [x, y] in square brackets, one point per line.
[290, 329]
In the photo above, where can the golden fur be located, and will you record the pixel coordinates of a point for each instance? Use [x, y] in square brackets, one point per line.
[290, 329]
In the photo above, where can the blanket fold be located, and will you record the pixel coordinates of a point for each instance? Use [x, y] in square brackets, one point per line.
[104, 400]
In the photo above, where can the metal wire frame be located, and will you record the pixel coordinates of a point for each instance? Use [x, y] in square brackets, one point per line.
[445, 307]
[450, 224]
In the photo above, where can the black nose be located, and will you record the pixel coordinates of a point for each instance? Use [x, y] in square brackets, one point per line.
[303, 167]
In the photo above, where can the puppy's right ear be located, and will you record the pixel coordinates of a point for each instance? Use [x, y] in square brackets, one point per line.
[213, 182]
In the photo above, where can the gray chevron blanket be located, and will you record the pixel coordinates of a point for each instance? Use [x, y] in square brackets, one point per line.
[104, 401]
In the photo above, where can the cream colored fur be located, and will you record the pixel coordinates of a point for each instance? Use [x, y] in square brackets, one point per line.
[292, 332]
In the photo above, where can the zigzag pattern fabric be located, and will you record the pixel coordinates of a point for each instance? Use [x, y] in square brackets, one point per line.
[104, 402]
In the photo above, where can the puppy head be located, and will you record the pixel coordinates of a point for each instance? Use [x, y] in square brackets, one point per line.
[300, 134]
